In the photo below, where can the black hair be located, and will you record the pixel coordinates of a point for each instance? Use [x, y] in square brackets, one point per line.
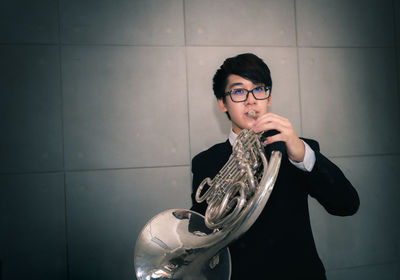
[248, 66]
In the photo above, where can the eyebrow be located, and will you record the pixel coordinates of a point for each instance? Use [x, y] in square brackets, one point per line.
[241, 84]
[235, 84]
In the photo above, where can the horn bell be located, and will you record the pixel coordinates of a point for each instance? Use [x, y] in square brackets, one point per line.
[176, 244]
[181, 244]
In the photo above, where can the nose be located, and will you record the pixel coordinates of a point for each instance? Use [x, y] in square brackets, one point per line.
[250, 98]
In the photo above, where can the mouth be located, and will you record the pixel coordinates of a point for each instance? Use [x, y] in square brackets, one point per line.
[252, 114]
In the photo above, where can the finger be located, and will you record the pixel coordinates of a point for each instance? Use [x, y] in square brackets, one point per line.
[272, 124]
[273, 116]
[275, 138]
[267, 126]
[272, 119]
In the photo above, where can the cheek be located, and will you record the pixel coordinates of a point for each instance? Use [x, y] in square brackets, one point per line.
[233, 110]
[238, 117]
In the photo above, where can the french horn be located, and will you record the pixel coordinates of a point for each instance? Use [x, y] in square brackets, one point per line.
[185, 245]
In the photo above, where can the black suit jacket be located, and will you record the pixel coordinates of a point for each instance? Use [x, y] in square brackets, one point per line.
[280, 244]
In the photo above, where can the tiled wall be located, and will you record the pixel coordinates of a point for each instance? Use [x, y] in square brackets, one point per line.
[104, 103]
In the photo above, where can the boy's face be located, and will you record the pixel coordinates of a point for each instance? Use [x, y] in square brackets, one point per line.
[239, 111]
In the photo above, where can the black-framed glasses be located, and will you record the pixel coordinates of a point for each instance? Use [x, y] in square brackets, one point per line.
[241, 94]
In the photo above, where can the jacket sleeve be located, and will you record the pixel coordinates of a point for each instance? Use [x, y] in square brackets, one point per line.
[327, 183]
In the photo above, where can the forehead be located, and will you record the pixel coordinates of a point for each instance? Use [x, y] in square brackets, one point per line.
[236, 80]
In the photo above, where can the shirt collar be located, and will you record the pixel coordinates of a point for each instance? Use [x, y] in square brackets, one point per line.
[232, 137]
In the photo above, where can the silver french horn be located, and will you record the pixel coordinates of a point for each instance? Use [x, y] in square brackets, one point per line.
[182, 244]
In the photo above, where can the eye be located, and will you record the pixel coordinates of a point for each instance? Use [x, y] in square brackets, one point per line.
[238, 91]
[259, 89]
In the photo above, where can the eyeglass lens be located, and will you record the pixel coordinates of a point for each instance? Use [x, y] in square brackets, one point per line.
[242, 94]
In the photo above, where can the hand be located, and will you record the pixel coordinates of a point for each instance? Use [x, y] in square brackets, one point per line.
[294, 146]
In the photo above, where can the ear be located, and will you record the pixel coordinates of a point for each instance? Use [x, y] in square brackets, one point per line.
[269, 100]
[221, 104]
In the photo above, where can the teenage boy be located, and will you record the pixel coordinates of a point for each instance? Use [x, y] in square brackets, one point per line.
[280, 244]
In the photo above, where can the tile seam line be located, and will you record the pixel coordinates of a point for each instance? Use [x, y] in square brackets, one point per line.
[93, 169]
[363, 265]
[128, 168]
[186, 44]
[59, 45]
[170, 166]
[365, 155]
[298, 68]
[187, 80]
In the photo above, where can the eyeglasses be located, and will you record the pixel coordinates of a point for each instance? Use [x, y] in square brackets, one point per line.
[241, 94]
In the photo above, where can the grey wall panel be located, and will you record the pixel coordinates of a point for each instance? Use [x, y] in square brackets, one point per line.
[107, 210]
[143, 22]
[30, 106]
[25, 21]
[388, 271]
[203, 62]
[349, 100]
[124, 107]
[371, 235]
[32, 226]
[345, 23]
[233, 23]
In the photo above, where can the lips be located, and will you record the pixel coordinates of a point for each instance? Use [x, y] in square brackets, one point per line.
[252, 114]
